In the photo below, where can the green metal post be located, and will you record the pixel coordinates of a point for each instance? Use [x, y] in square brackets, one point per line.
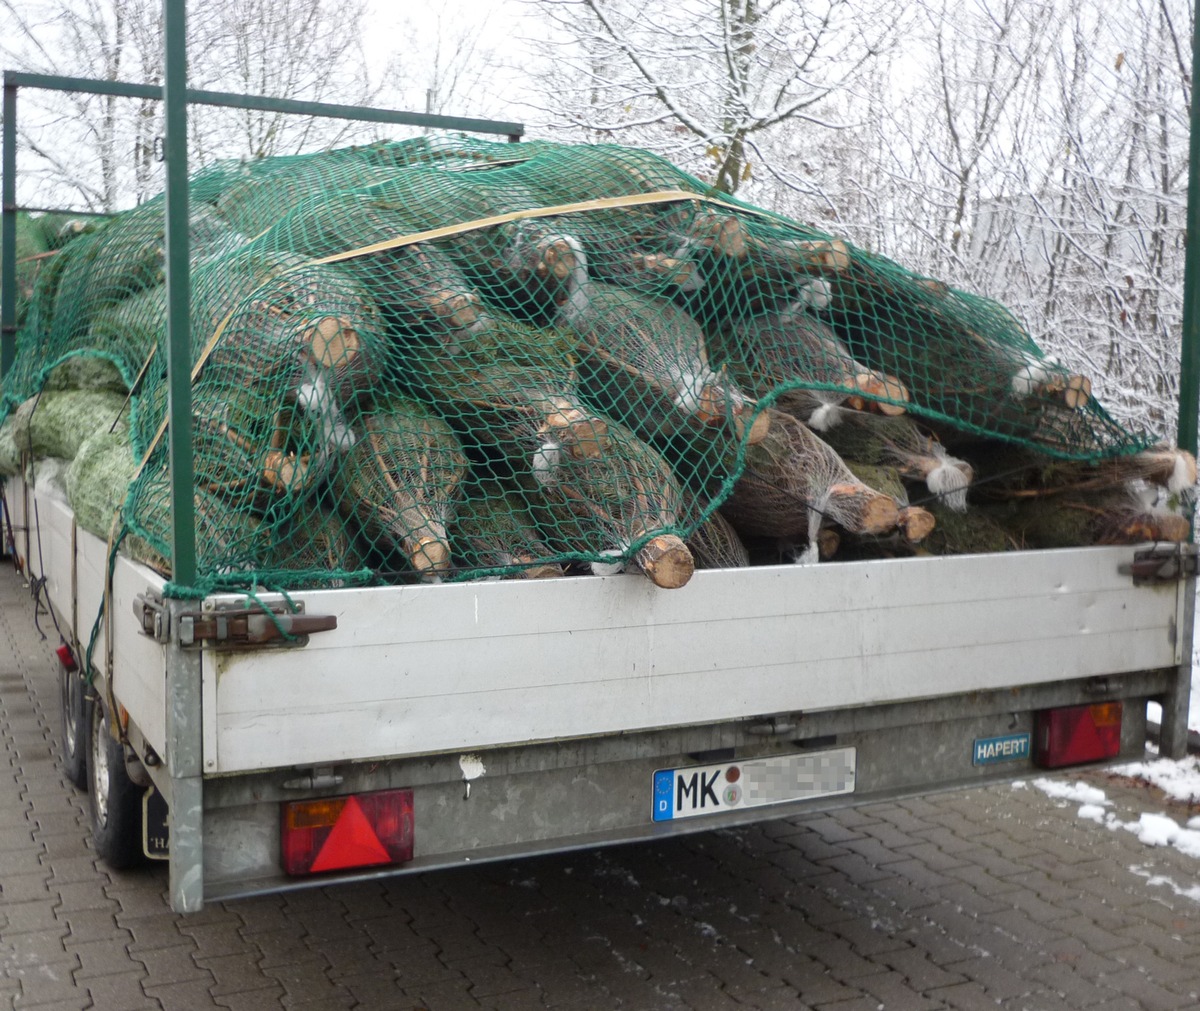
[1189, 370]
[8, 234]
[179, 342]
[1176, 703]
[183, 666]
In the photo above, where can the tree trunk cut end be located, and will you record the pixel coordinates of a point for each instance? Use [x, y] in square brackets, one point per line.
[557, 260]
[828, 542]
[756, 430]
[430, 556]
[819, 255]
[667, 562]
[866, 511]
[1078, 391]
[674, 271]
[332, 342]
[916, 524]
[723, 233]
[284, 472]
[874, 384]
[459, 309]
[585, 437]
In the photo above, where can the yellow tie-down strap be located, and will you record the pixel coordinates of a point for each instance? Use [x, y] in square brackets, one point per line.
[602, 203]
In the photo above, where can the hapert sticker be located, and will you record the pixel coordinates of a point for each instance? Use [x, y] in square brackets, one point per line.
[1010, 748]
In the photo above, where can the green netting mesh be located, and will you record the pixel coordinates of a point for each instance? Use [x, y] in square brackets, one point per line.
[446, 359]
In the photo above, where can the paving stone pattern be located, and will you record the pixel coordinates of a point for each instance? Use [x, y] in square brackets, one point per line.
[985, 899]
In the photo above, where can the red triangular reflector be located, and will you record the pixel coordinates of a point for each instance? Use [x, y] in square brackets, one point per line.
[352, 842]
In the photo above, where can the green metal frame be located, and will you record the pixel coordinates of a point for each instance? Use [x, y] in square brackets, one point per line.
[184, 785]
[177, 97]
[1189, 366]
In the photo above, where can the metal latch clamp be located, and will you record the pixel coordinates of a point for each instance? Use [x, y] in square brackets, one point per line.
[230, 627]
[1163, 563]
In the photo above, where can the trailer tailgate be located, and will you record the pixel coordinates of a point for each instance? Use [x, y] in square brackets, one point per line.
[419, 669]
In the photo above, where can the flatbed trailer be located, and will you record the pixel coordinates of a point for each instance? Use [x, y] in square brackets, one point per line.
[532, 716]
[260, 744]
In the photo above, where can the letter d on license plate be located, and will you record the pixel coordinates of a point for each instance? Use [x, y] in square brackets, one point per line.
[711, 789]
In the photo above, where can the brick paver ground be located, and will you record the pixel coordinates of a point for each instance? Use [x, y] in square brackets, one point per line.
[984, 899]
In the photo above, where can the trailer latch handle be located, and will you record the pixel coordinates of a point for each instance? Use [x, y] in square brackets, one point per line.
[230, 627]
[1168, 563]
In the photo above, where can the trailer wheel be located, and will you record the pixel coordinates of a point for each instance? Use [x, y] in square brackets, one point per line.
[114, 800]
[73, 728]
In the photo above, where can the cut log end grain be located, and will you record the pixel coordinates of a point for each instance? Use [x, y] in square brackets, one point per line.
[915, 524]
[283, 472]
[714, 405]
[828, 542]
[539, 571]
[674, 271]
[872, 384]
[722, 233]
[332, 341]
[430, 556]
[1073, 391]
[833, 255]
[583, 436]
[556, 259]
[1174, 469]
[1078, 391]
[861, 509]
[934, 287]
[815, 255]
[709, 406]
[754, 429]
[666, 561]
[459, 309]
[1146, 527]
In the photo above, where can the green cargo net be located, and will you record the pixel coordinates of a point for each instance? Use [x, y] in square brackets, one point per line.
[453, 359]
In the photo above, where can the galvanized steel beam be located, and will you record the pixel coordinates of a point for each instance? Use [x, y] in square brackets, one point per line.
[184, 732]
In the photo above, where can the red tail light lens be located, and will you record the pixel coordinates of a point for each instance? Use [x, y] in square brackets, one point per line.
[1072, 735]
[337, 833]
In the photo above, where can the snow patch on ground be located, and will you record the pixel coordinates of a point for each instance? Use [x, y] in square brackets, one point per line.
[1162, 881]
[1152, 829]
[1178, 780]
[1078, 792]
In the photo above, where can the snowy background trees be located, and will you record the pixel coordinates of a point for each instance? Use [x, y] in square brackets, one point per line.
[1031, 150]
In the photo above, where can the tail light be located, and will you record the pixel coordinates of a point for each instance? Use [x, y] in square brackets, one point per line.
[67, 658]
[338, 833]
[1072, 735]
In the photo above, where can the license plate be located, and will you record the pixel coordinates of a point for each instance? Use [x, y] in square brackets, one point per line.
[156, 826]
[734, 786]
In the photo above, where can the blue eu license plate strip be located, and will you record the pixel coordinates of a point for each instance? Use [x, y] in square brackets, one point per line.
[731, 786]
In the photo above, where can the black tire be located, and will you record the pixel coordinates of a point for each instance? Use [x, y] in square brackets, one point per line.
[73, 728]
[114, 800]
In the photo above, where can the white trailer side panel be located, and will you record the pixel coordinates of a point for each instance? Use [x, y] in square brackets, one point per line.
[55, 546]
[420, 669]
